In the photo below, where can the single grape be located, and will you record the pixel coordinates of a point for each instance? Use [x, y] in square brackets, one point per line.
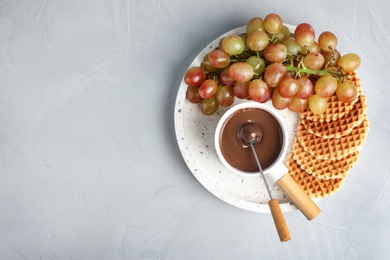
[259, 91]
[255, 24]
[225, 78]
[278, 101]
[314, 61]
[314, 47]
[331, 58]
[275, 53]
[305, 89]
[288, 87]
[273, 23]
[297, 104]
[208, 88]
[209, 106]
[257, 41]
[258, 64]
[349, 62]
[219, 59]
[327, 41]
[283, 35]
[225, 96]
[304, 34]
[240, 89]
[194, 76]
[317, 105]
[274, 74]
[347, 91]
[325, 86]
[241, 71]
[233, 44]
[192, 94]
[292, 47]
[207, 65]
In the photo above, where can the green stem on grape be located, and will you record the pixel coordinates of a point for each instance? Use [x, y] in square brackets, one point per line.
[301, 68]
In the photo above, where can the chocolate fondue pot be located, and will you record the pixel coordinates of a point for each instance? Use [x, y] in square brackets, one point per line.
[234, 153]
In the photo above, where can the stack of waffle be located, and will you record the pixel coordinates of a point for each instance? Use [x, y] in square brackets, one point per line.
[327, 146]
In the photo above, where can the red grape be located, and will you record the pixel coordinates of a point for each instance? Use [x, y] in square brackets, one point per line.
[225, 78]
[325, 86]
[297, 104]
[207, 65]
[225, 96]
[275, 53]
[327, 41]
[257, 41]
[274, 74]
[241, 89]
[208, 88]
[194, 76]
[331, 58]
[241, 71]
[273, 23]
[255, 24]
[192, 94]
[347, 91]
[288, 87]
[304, 34]
[305, 89]
[259, 91]
[314, 61]
[317, 105]
[219, 59]
[278, 101]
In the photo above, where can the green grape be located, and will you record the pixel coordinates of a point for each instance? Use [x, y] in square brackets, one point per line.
[325, 86]
[274, 74]
[209, 106]
[297, 104]
[304, 34]
[192, 94]
[219, 59]
[288, 87]
[278, 101]
[317, 105]
[208, 88]
[259, 91]
[314, 61]
[273, 23]
[327, 41]
[292, 47]
[194, 76]
[275, 53]
[349, 62]
[257, 41]
[283, 35]
[255, 24]
[233, 44]
[225, 96]
[241, 71]
[346, 91]
[258, 64]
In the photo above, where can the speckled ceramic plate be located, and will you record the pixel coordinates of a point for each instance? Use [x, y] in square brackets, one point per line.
[195, 137]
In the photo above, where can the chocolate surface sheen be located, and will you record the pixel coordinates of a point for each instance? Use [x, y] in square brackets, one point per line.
[237, 153]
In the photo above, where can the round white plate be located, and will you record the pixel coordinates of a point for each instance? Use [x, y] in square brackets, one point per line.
[195, 137]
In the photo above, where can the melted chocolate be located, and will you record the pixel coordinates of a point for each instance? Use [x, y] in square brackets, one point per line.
[237, 153]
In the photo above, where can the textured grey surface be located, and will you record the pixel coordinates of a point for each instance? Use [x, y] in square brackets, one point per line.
[89, 163]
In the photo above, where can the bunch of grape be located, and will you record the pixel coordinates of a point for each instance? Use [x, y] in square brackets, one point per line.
[294, 71]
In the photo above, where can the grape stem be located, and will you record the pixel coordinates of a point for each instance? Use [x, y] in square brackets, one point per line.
[301, 68]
